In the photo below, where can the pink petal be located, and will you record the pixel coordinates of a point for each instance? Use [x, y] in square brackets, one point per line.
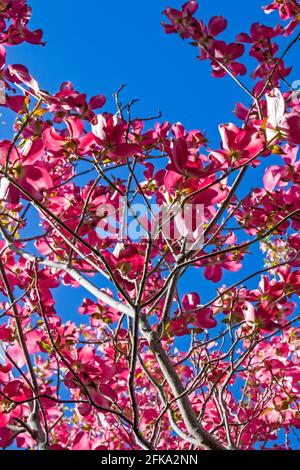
[125, 150]
[75, 126]
[98, 127]
[97, 102]
[20, 74]
[204, 319]
[228, 133]
[276, 107]
[2, 57]
[213, 273]
[292, 122]
[272, 177]
[34, 151]
[216, 25]
[249, 312]
[191, 301]
[52, 140]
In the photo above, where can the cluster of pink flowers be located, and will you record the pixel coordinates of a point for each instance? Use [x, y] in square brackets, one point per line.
[14, 19]
[188, 27]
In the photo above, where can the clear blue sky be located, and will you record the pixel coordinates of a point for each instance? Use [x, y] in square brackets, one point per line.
[99, 45]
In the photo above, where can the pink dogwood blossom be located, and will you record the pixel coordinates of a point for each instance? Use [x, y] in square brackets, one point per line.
[281, 124]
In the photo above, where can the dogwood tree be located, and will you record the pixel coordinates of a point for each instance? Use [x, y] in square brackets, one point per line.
[123, 377]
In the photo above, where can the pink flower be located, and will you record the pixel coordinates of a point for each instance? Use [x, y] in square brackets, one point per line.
[6, 437]
[28, 171]
[292, 123]
[239, 145]
[183, 22]
[111, 134]
[216, 25]
[184, 152]
[128, 259]
[227, 55]
[176, 184]
[14, 102]
[2, 57]
[82, 441]
[99, 311]
[17, 31]
[214, 272]
[73, 140]
[204, 319]
[191, 301]
[286, 8]
[249, 312]
[282, 175]
[260, 34]
[198, 317]
[281, 125]
[264, 320]
[68, 99]
[97, 102]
